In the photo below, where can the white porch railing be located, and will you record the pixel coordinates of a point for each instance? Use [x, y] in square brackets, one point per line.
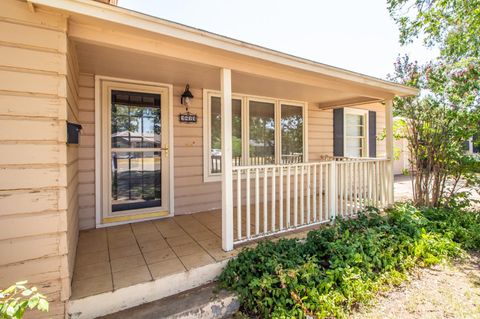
[271, 199]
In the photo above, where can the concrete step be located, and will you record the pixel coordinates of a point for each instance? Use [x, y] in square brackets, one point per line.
[203, 302]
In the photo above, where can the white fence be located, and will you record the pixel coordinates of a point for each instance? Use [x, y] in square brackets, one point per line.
[270, 199]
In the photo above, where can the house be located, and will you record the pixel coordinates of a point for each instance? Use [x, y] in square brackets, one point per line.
[153, 199]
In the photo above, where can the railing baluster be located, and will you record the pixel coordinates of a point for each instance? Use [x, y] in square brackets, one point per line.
[350, 188]
[340, 166]
[280, 203]
[274, 171]
[257, 201]
[384, 183]
[308, 195]
[302, 195]
[247, 225]
[265, 200]
[239, 204]
[288, 196]
[320, 191]
[295, 197]
[375, 184]
[355, 186]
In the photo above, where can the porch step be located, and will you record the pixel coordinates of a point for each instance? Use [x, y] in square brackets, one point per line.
[202, 302]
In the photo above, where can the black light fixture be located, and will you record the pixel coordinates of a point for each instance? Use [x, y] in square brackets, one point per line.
[186, 98]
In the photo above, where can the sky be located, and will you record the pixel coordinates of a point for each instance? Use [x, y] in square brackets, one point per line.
[357, 35]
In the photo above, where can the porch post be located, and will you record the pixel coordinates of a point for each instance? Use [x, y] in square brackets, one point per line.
[227, 174]
[389, 142]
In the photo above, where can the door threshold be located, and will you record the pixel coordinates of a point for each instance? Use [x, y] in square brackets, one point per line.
[134, 218]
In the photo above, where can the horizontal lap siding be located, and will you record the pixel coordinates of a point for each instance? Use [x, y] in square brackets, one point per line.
[191, 193]
[86, 173]
[34, 210]
[72, 160]
[320, 132]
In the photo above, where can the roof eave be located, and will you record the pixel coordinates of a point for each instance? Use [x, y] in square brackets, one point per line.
[157, 25]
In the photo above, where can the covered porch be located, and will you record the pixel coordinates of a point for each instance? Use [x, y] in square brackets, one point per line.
[285, 201]
[215, 199]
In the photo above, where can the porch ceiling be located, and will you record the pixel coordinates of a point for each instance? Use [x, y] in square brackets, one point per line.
[103, 60]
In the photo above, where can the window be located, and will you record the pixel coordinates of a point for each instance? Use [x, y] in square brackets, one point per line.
[292, 133]
[355, 133]
[261, 143]
[264, 131]
[216, 130]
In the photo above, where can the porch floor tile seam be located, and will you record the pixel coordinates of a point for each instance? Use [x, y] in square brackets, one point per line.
[188, 234]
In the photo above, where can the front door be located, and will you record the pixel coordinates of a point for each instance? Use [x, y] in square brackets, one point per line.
[135, 152]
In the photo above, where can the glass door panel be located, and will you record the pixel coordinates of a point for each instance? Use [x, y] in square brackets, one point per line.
[136, 151]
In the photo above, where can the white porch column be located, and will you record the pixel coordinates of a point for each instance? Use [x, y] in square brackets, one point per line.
[389, 142]
[227, 174]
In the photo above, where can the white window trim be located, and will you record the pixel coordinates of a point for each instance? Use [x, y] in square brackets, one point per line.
[245, 98]
[354, 111]
[100, 149]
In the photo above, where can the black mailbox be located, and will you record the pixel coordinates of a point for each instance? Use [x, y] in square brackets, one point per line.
[73, 130]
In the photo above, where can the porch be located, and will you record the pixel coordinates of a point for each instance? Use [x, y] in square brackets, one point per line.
[270, 201]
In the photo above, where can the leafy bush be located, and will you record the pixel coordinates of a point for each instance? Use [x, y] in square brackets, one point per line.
[16, 299]
[338, 267]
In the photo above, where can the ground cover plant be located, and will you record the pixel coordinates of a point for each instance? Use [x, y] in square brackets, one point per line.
[337, 268]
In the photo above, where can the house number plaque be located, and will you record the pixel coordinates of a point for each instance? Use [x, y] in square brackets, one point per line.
[188, 117]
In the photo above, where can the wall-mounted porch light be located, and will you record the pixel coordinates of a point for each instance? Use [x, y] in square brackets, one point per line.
[186, 98]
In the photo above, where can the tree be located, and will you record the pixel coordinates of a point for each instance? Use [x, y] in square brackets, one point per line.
[453, 25]
[437, 123]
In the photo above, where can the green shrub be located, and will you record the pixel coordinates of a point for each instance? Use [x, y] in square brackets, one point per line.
[16, 299]
[338, 267]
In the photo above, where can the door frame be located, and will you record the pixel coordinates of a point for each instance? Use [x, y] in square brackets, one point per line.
[101, 148]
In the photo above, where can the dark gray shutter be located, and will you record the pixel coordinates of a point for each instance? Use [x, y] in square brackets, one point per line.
[338, 132]
[476, 143]
[372, 134]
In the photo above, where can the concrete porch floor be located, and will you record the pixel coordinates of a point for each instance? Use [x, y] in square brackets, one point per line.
[120, 256]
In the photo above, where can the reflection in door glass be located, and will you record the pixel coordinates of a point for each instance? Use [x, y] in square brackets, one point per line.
[135, 120]
[136, 180]
[135, 155]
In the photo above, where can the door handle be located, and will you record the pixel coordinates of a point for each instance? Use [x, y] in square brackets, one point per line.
[165, 149]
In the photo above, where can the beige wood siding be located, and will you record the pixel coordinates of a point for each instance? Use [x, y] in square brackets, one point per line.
[86, 172]
[191, 193]
[37, 171]
[72, 159]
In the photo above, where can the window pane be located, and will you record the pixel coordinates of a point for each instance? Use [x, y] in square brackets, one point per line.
[135, 120]
[354, 152]
[216, 129]
[136, 180]
[354, 119]
[355, 131]
[262, 133]
[354, 142]
[292, 133]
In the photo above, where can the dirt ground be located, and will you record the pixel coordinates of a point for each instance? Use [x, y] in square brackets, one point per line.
[443, 291]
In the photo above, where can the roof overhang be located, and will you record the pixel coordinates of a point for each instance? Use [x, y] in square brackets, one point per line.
[163, 27]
